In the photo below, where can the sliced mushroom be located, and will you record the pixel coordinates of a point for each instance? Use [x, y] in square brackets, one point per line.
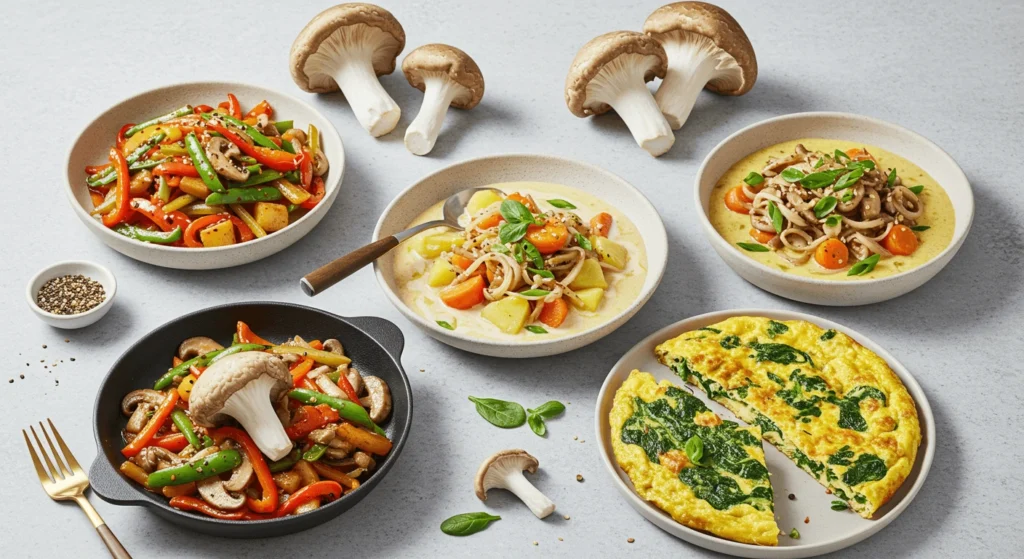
[221, 152]
[196, 346]
[320, 163]
[334, 346]
[355, 379]
[139, 417]
[240, 476]
[329, 388]
[298, 138]
[318, 372]
[135, 397]
[153, 458]
[322, 436]
[214, 492]
[364, 460]
[378, 397]
[264, 125]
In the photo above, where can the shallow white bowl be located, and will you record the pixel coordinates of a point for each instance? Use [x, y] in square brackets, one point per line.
[482, 171]
[828, 530]
[95, 140]
[840, 126]
[72, 267]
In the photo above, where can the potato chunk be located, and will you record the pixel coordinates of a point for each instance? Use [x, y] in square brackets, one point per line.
[432, 245]
[441, 273]
[509, 314]
[590, 299]
[481, 200]
[270, 216]
[611, 253]
[219, 235]
[591, 275]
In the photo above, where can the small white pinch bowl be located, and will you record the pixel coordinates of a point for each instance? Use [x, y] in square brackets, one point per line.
[841, 126]
[93, 143]
[70, 268]
[483, 171]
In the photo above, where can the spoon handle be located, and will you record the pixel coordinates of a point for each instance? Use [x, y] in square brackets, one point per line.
[329, 274]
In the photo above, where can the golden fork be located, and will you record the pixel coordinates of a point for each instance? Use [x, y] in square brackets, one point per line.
[68, 483]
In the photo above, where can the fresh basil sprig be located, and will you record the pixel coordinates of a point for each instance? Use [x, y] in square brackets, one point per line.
[776, 216]
[753, 178]
[825, 206]
[753, 247]
[562, 204]
[537, 415]
[535, 293]
[500, 413]
[533, 254]
[517, 219]
[864, 266]
[833, 220]
[792, 174]
[542, 273]
[916, 189]
[848, 179]
[467, 523]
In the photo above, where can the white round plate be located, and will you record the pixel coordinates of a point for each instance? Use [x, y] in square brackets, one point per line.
[828, 530]
[840, 126]
[93, 143]
[482, 171]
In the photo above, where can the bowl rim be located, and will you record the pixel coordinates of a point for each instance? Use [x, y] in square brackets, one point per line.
[723, 545]
[105, 231]
[107, 300]
[939, 259]
[384, 466]
[640, 300]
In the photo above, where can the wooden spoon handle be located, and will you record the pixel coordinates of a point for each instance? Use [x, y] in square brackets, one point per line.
[329, 274]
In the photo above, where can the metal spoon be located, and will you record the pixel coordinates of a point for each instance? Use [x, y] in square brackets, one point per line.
[327, 275]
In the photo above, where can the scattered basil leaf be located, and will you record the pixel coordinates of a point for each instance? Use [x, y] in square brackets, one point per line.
[833, 220]
[535, 293]
[517, 252]
[445, 324]
[917, 189]
[542, 273]
[533, 254]
[820, 179]
[753, 247]
[864, 266]
[510, 232]
[892, 178]
[753, 178]
[549, 409]
[561, 204]
[584, 242]
[841, 155]
[536, 329]
[794, 533]
[825, 206]
[500, 413]
[515, 212]
[468, 523]
[537, 425]
[776, 215]
[792, 174]
[839, 505]
[694, 448]
[920, 228]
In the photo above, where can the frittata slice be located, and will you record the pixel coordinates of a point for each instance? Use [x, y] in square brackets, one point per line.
[722, 488]
[828, 403]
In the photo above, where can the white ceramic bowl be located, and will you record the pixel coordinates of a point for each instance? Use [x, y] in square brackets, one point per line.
[840, 126]
[482, 171]
[70, 268]
[93, 143]
[828, 530]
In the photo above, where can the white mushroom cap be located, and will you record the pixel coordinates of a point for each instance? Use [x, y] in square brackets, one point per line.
[447, 76]
[504, 470]
[707, 49]
[610, 72]
[244, 386]
[346, 47]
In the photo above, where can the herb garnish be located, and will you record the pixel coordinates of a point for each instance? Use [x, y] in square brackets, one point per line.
[794, 533]
[840, 155]
[468, 523]
[825, 206]
[864, 266]
[848, 179]
[792, 174]
[694, 449]
[776, 215]
[891, 180]
[561, 204]
[517, 219]
[833, 220]
[753, 247]
[500, 413]
[537, 415]
[776, 328]
[920, 228]
[535, 292]
[531, 252]
[839, 505]
[536, 329]
[445, 324]
[753, 178]
[542, 273]
[828, 335]
[916, 189]
[584, 242]
[847, 196]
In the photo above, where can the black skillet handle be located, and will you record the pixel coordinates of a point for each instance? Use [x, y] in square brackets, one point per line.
[384, 331]
[109, 485]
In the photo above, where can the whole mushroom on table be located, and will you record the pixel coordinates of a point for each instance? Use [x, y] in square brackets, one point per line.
[447, 77]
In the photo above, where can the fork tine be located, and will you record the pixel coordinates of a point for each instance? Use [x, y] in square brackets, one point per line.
[43, 478]
[67, 451]
[64, 470]
[42, 450]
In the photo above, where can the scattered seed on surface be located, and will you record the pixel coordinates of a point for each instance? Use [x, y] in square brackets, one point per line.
[21, 376]
[561, 540]
[11, 381]
[44, 346]
[575, 438]
[579, 477]
[566, 517]
[72, 358]
[66, 295]
[807, 520]
[536, 543]
[67, 341]
[630, 540]
[792, 497]
[582, 441]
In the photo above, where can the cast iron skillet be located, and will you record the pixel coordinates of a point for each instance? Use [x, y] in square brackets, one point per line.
[374, 344]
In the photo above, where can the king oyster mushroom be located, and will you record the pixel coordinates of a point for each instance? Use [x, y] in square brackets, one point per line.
[346, 47]
[447, 77]
[504, 470]
[245, 386]
[611, 72]
[707, 49]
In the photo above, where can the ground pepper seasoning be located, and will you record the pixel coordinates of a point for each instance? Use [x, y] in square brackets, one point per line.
[71, 294]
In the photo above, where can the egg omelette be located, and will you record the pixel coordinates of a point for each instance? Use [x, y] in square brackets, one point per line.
[707, 473]
[831, 405]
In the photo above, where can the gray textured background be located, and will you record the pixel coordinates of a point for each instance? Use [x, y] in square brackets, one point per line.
[951, 72]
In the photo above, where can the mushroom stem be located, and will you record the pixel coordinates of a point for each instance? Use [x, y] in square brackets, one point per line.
[251, 407]
[373, 107]
[621, 84]
[439, 91]
[692, 62]
[539, 504]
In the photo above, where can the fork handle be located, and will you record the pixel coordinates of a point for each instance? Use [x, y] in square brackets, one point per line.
[117, 551]
[333, 272]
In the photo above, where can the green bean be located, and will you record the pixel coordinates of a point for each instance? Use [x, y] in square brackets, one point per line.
[202, 164]
[187, 109]
[257, 178]
[285, 463]
[184, 424]
[256, 135]
[147, 236]
[144, 164]
[283, 125]
[254, 168]
[244, 196]
[182, 369]
[212, 465]
[239, 348]
[314, 453]
[163, 191]
[347, 410]
[109, 174]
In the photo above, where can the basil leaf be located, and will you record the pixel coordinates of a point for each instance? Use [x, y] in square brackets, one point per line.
[753, 179]
[694, 449]
[533, 254]
[468, 523]
[920, 228]
[865, 164]
[517, 252]
[584, 242]
[445, 324]
[864, 266]
[891, 180]
[848, 180]
[821, 179]
[753, 247]
[535, 292]
[511, 232]
[777, 218]
[825, 206]
[841, 155]
[549, 409]
[499, 412]
[839, 505]
[833, 220]
[537, 425]
[792, 174]
[499, 247]
[561, 204]
[536, 329]
[542, 273]
[515, 212]
[916, 189]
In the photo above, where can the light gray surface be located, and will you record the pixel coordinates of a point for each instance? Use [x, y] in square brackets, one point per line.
[953, 73]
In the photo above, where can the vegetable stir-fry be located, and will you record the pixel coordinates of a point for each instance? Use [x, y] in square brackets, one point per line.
[205, 436]
[206, 177]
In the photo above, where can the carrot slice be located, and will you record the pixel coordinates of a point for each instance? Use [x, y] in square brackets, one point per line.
[601, 223]
[462, 261]
[553, 314]
[524, 199]
[465, 295]
[859, 154]
[832, 254]
[247, 336]
[491, 221]
[548, 238]
[900, 240]
[762, 237]
[736, 200]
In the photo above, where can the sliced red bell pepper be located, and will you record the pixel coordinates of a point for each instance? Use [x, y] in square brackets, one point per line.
[185, 502]
[93, 169]
[306, 168]
[121, 209]
[268, 502]
[247, 336]
[304, 382]
[198, 225]
[316, 490]
[278, 160]
[121, 138]
[175, 442]
[244, 233]
[200, 109]
[175, 168]
[318, 194]
[261, 108]
[149, 431]
[348, 389]
[234, 107]
[165, 221]
[310, 418]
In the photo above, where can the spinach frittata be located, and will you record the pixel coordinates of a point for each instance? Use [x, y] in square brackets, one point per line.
[707, 473]
[831, 405]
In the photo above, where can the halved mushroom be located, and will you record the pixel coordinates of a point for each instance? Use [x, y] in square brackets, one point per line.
[346, 47]
[221, 152]
[447, 77]
[334, 346]
[215, 492]
[145, 395]
[152, 458]
[378, 398]
[198, 345]
[240, 476]
[355, 379]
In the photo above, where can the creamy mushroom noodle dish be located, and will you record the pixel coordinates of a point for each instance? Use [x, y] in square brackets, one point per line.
[256, 430]
[540, 257]
[832, 209]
